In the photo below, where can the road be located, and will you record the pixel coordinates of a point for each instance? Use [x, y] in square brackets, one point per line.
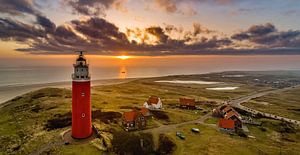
[237, 103]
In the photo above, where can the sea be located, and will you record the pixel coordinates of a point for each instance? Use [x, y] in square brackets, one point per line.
[146, 67]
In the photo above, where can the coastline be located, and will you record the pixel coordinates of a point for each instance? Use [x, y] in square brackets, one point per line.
[9, 92]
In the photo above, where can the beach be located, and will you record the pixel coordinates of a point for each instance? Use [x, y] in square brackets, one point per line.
[9, 92]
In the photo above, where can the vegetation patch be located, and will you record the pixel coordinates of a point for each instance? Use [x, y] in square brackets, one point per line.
[59, 121]
[106, 117]
[130, 143]
[160, 114]
[166, 145]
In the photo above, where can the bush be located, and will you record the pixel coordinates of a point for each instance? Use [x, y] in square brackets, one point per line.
[59, 121]
[166, 146]
[129, 143]
[241, 133]
[160, 114]
[106, 117]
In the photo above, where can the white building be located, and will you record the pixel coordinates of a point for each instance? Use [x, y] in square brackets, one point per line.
[153, 103]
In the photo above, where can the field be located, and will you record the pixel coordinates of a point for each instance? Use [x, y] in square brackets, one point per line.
[286, 104]
[33, 121]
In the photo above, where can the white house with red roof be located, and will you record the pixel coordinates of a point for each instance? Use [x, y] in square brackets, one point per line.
[153, 103]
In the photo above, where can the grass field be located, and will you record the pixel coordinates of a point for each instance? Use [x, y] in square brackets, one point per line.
[25, 120]
[286, 104]
[212, 141]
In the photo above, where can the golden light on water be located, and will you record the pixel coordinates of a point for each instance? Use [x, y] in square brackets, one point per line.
[123, 57]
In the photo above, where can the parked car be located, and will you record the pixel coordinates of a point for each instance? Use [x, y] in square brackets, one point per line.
[180, 135]
[196, 130]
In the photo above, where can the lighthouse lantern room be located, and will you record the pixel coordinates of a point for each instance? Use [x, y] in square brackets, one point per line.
[81, 99]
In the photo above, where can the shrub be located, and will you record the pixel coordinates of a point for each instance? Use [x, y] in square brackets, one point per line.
[59, 121]
[129, 143]
[106, 117]
[166, 146]
[160, 114]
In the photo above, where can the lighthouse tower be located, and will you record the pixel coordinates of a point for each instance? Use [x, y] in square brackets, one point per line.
[81, 99]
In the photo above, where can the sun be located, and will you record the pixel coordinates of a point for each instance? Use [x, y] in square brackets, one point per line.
[123, 57]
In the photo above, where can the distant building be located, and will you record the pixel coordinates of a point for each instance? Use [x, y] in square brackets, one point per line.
[226, 125]
[153, 103]
[145, 112]
[217, 113]
[233, 115]
[187, 103]
[134, 120]
[228, 113]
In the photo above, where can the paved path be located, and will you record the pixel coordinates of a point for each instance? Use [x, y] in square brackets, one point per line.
[237, 103]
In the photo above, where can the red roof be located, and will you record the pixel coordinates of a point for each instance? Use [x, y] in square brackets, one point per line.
[186, 101]
[226, 123]
[230, 114]
[227, 109]
[145, 111]
[153, 100]
[130, 116]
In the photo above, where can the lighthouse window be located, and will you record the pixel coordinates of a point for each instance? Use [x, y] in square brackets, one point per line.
[83, 115]
[82, 76]
[82, 94]
[77, 77]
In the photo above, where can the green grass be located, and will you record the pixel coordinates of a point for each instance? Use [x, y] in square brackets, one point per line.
[212, 120]
[285, 104]
[212, 141]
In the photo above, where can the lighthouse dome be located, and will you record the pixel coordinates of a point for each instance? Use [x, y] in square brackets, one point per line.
[80, 58]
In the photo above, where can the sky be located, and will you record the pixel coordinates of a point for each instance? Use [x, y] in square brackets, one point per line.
[46, 28]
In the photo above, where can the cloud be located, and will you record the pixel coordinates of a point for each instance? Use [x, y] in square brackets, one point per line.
[17, 7]
[186, 7]
[46, 23]
[269, 36]
[18, 31]
[95, 7]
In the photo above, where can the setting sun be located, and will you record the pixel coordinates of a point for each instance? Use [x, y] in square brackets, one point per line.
[123, 57]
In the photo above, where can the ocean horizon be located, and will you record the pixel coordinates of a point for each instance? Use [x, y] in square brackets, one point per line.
[26, 75]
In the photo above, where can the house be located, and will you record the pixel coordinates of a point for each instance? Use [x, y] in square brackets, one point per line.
[233, 115]
[217, 113]
[153, 103]
[227, 109]
[226, 125]
[187, 103]
[227, 112]
[133, 120]
[145, 112]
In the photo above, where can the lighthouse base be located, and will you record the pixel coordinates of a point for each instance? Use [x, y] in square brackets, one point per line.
[68, 139]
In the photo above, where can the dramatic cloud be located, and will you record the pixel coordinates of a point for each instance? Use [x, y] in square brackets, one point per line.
[185, 6]
[269, 36]
[94, 7]
[99, 36]
[17, 7]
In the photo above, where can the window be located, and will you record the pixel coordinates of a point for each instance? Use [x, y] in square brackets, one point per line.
[82, 70]
[83, 115]
[77, 77]
[82, 76]
[82, 94]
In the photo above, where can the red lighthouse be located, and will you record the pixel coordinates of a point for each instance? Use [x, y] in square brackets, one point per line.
[81, 99]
